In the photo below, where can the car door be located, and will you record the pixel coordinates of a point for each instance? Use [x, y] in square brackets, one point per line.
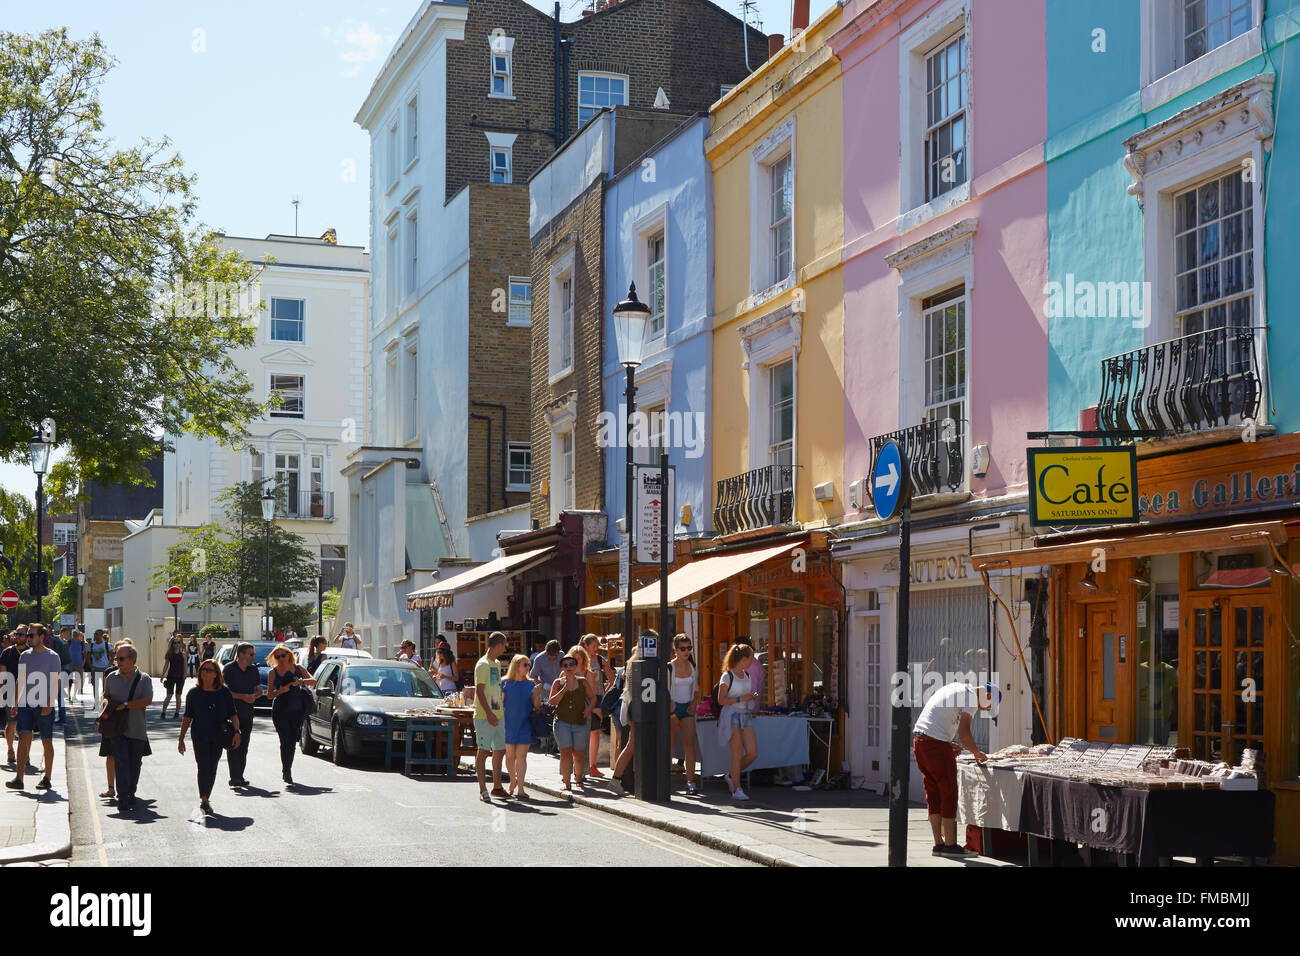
[328, 678]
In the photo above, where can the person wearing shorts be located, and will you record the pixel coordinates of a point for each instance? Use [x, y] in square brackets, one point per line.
[948, 711]
[736, 722]
[490, 717]
[39, 688]
[573, 699]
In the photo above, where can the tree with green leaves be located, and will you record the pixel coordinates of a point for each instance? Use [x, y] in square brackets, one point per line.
[62, 598]
[18, 548]
[229, 557]
[119, 313]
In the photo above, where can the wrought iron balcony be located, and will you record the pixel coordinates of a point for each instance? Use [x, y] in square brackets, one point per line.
[755, 499]
[307, 504]
[935, 452]
[1200, 381]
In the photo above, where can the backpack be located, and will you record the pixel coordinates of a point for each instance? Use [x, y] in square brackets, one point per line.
[717, 704]
[610, 700]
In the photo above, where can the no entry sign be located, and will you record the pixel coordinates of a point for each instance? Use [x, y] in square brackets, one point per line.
[9, 599]
[174, 594]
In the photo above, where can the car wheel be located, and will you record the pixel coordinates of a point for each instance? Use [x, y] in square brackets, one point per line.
[338, 746]
[309, 744]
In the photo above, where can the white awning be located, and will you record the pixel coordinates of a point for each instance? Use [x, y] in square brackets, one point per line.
[440, 593]
[693, 578]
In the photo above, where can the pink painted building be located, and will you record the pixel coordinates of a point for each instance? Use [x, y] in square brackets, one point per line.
[945, 344]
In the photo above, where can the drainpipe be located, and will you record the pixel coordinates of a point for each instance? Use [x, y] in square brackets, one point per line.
[505, 443]
[488, 419]
[556, 101]
[565, 45]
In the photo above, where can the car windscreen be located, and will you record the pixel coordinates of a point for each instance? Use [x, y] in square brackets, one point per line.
[387, 682]
[261, 649]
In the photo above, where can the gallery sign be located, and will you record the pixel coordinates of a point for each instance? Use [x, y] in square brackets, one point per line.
[1236, 478]
[1082, 486]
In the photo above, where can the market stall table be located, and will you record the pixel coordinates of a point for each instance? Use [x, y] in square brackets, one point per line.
[988, 796]
[782, 742]
[465, 739]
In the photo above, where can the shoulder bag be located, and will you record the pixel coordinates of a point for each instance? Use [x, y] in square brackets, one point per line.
[112, 722]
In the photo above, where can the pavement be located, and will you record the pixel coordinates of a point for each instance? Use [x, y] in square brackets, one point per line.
[777, 826]
[34, 827]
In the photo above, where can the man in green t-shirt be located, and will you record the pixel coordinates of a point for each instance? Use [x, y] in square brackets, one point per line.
[489, 717]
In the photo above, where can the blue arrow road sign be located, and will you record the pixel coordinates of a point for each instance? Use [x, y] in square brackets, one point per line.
[889, 484]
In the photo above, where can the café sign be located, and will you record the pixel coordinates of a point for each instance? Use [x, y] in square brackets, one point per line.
[1082, 486]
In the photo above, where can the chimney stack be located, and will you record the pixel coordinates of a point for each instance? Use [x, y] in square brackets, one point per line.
[800, 21]
[774, 44]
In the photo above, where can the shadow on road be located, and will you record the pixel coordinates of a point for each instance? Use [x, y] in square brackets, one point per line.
[302, 790]
[143, 813]
[254, 792]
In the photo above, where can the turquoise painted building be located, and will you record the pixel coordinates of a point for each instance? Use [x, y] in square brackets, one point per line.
[1172, 208]
[659, 234]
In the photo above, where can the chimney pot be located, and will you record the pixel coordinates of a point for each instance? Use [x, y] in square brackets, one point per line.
[774, 44]
[800, 21]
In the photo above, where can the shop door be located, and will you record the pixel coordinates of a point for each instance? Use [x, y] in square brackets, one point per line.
[786, 643]
[1226, 697]
[1102, 647]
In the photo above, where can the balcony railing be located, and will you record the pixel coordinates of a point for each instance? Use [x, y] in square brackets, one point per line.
[935, 452]
[755, 499]
[1200, 381]
[307, 504]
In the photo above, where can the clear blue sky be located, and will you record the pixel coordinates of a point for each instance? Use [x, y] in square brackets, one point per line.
[258, 98]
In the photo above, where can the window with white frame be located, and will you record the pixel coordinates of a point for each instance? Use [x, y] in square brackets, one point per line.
[65, 533]
[292, 394]
[257, 466]
[519, 466]
[412, 251]
[564, 452]
[780, 446]
[649, 438]
[316, 488]
[656, 283]
[1186, 42]
[412, 129]
[287, 475]
[1208, 24]
[520, 311]
[725, 89]
[943, 319]
[561, 317]
[392, 268]
[411, 405]
[501, 52]
[772, 202]
[1214, 254]
[394, 154]
[945, 117]
[781, 217]
[288, 320]
[599, 90]
[392, 399]
[500, 165]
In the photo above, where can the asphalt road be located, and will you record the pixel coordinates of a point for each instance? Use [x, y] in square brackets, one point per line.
[335, 816]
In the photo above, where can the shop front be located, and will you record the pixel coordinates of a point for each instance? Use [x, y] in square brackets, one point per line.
[1179, 631]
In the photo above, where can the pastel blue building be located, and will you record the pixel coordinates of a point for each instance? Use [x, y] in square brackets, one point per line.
[659, 234]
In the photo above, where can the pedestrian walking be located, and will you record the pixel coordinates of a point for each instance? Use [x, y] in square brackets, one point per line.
[106, 743]
[207, 708]
[58, 642]
[522, 697]
[736, 724]
[573, 699]
[444, 670]
[602, 675]
[684, 687]
[76, 663]
[409, 653]
[192, 656]
[174, 666]
[546, 666]
[244, 681]
[489, 717]
[39, 673]
[316, 654]
[101, 659]
[208, 650]
[130, 690]
[288, 707]
[9, 665]
[623, 720]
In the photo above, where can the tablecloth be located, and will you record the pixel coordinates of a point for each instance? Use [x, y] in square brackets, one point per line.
[782, 742]
[988, 796]
[1149, 823]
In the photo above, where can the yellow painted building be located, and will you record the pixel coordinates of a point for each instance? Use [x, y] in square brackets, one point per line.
[776, 149]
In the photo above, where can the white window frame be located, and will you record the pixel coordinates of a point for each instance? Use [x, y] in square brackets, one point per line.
[392, 392]
[1214, 140]
[652, 223]
[1163, 74]
[527, 449]
[627, 92]
[276, 413]
[525, 317]
[411, 254]
[412, 118]
[411, 390]
[256, 465]
[929, 409]
[561, 421]
[270, 319]
[773, 148]
[501, 143]
[393, 268]
[916, 44]
[394, 147]
[769, 340]
[64, 533]
[558, 324]
[496, 153]
[501, 46]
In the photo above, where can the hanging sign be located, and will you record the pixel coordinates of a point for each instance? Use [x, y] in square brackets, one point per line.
[1079, 486]
[651, 500]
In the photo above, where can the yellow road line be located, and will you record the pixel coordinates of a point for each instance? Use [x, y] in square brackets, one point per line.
[91, 795]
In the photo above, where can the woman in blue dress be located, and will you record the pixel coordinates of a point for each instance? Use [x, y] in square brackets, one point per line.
[522, 697]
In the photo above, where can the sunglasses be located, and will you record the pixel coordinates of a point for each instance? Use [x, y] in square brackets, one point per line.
[569, 664]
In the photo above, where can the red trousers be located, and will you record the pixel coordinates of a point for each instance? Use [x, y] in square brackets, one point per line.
[938, 765]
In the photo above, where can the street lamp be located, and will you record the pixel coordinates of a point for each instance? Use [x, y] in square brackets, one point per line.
[268, 512]
[632, 327]
[81, 584]
[40, 452]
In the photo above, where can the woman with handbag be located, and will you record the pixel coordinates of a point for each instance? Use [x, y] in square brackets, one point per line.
[126, 695]
[444, 670]
[287, 689]
[211, 710]
[522, 698]
[174, 673]
[602, 675]
[573, 700]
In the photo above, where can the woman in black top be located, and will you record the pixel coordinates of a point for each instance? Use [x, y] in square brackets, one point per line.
[288, 709]
[318, 645]
[208, 707]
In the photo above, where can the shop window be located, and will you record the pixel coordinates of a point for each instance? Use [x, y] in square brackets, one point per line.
[949, 636]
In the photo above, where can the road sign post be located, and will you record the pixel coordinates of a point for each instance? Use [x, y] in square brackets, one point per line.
[174, 595]
[892, 494]
[9, 599]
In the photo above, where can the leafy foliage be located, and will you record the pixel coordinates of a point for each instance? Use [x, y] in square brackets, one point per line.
[90, 238]
[217, 632]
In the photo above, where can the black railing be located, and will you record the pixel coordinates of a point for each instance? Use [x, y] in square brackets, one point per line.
[1200, 381]
[935, 452]
[307, 504]
[756, 499]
